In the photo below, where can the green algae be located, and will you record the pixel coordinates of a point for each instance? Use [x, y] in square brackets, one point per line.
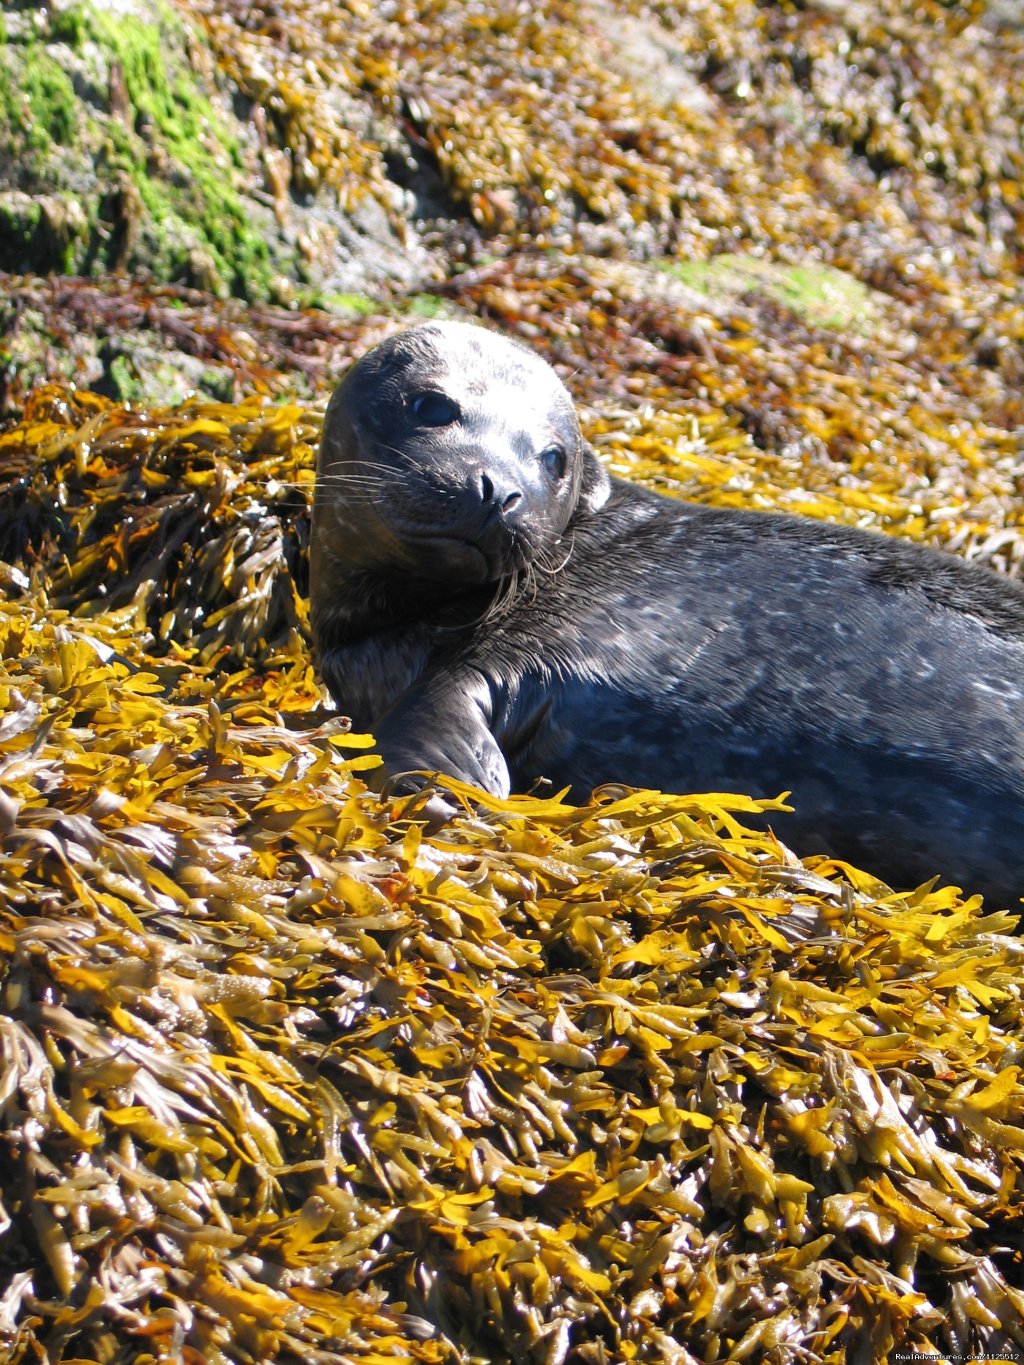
[426, 306]
[37, 110]
[125, 379]
[19, 223]
[47, 231]
[342, 304]
[43, 108]
[819, 294]
[196, 196]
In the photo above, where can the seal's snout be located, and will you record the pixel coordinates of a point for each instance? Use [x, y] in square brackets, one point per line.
[500, 497]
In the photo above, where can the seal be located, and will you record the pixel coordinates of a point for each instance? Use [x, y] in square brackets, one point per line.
[494, 607]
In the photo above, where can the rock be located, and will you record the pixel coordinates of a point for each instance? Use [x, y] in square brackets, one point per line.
[127, 148]
[37, 231]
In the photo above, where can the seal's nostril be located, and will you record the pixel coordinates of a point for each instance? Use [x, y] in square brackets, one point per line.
[497, 497]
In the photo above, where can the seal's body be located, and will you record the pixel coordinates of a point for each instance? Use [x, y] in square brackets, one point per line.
[496, 608]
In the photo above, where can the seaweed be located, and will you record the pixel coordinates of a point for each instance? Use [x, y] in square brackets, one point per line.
[283, 1077]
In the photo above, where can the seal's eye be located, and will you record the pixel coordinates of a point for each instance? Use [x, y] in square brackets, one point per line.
[434, 409]
[553, 460]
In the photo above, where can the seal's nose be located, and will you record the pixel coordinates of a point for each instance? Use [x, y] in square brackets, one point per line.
[504, 499]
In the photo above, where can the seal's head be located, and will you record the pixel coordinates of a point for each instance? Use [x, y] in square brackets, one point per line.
[450, 456]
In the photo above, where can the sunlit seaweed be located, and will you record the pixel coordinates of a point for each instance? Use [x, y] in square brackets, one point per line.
[675, 126]
[282, 1078]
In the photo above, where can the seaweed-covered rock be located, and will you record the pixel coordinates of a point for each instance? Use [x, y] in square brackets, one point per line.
[281, 1076]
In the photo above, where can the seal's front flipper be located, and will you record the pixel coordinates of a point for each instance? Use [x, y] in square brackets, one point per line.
[431, 806]
[443, 727]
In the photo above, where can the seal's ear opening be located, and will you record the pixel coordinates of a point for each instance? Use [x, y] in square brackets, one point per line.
[595, 485]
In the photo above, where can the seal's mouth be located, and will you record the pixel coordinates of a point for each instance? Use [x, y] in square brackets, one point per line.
[447, 558]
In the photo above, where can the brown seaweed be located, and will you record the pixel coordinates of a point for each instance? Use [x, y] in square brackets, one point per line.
[282, 1077]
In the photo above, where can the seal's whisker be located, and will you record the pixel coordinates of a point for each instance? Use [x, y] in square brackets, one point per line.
[354, 480]
[378, 470]
[552, 569]
[410, 458]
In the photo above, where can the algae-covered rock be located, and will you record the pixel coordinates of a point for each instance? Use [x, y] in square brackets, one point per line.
[110, 107]
[122, 150]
